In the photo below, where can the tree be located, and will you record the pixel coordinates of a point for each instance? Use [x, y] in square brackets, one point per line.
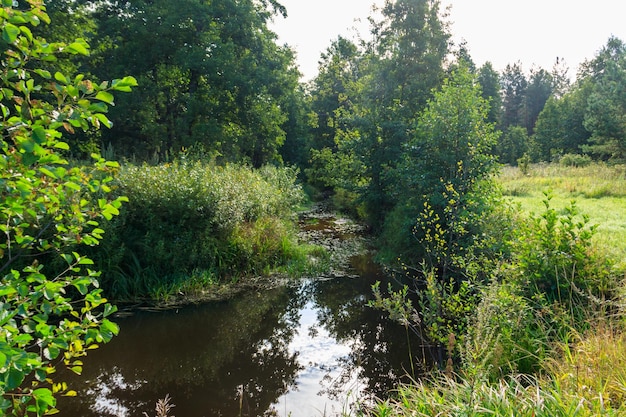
[605, 116]
[559, 129]
[560, 79]
[211, 74]
[405, 65]
[538, 90]
[338, 69]
[489, 80]
[444, 168]
[50, 313]
[513, 144]
[332, 101]
[514, 84]
[445, 183]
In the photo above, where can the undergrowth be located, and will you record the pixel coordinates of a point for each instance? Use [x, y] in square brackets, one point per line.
[192, 226]
[544, 337]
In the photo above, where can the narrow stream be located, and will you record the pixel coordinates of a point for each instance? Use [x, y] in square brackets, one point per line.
[311, 349]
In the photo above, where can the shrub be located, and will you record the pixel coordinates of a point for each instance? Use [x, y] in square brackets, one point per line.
[575, 160]
[49, 212]
[555, 257]
[186, 217]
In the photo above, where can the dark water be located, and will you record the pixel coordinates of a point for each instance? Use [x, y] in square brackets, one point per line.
[314, 349]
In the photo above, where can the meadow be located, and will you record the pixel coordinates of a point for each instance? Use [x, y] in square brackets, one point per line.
[599, 191]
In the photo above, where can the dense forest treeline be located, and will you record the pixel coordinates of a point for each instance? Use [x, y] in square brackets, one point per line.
[401, 129]
[212, 74]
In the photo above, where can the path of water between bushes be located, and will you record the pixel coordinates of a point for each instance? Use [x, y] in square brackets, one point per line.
[312, 348]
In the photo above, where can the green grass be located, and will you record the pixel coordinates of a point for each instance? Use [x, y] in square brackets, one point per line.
[587, 377]
[599, 191]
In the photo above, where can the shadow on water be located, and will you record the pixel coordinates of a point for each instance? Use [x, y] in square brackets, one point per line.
[311, 350]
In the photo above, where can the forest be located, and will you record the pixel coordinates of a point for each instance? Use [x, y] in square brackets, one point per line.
[153, 148]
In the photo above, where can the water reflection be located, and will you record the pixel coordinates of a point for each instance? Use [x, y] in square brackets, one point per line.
[220, 359]
[306, 351]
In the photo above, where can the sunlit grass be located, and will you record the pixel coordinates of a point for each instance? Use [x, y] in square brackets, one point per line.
[599, 191]
[594, 367]
[517, 396]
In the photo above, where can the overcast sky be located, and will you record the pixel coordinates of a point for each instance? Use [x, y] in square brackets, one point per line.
[534, 32]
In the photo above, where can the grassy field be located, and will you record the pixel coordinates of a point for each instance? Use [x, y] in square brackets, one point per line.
[598, 190]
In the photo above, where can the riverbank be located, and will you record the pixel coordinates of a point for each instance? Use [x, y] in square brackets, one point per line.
[329, 240]
[301, 346]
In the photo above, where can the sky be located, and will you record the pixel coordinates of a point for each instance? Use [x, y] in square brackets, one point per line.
[533, 32]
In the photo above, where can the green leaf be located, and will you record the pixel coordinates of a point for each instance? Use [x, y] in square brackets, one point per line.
[104, 120]
[44, 400]
[105, 96]
[43, 73]
[47, 172]
[10, 33]
[61, 78]
[78, 48]
[98, 107]
[26, 31]
[72, 185]
[124, 84]
[62, 145]
[39, 134]
[7, 291]
[109, 309]
[13, 379]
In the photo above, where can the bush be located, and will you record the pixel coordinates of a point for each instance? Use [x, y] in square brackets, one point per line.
[555, 258]
[188, 217]
[575, 160]
[48, 213]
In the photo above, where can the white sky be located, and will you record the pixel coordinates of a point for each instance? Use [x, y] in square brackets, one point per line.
[533, 32]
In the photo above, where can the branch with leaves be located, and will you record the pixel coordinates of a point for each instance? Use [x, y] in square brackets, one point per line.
[49, 208]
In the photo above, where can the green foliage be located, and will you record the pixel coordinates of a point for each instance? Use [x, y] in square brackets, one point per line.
[189, 219]
[513, 145]
[575, 160]
[446, 307]
[210, 73]
[514, 84]
[516, 396]
[554, 256]
[606, 106]
[445, 174]
[46, 213]
[503, 336]
[489, 81]
[524, 164]
[445, 178]
[559, 128]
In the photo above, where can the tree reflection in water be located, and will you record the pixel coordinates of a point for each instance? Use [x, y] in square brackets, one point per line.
[289, 351]
[379, 348]
[225, 359]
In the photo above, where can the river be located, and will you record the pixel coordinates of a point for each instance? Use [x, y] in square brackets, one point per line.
[312, 348]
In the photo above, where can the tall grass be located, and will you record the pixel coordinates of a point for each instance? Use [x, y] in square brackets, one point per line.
[518, 396]
[189, 226]
[585, 376]
[593, 181]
